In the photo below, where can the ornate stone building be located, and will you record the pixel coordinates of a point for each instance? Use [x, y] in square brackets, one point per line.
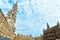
[7, 28]
[24, 37]
[39, 37]
[52, 33]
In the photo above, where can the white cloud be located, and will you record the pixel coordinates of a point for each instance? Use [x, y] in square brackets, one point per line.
[48, 11]
[34, 14]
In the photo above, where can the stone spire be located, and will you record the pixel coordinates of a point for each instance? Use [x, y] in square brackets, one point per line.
[47, 26]
[11, 16]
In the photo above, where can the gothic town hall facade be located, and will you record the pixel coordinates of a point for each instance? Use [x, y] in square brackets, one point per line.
[7, 29]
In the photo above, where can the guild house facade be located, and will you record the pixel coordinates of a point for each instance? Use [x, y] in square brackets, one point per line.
[52, 33]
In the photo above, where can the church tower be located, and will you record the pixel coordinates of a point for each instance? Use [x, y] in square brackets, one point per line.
[11, 16]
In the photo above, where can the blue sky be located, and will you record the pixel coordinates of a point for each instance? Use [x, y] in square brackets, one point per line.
[33, 15]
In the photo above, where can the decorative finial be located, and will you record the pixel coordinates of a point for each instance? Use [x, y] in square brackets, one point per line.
[57, 23]
[47, 26]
